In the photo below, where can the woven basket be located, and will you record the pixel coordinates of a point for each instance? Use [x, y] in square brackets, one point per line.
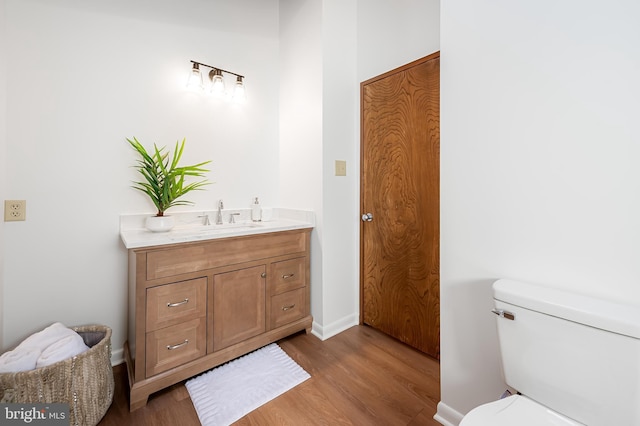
[85, 382]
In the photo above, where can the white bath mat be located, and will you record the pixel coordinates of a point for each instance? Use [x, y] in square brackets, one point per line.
[228, 392]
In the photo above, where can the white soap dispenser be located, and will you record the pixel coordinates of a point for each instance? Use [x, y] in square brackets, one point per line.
[256, 211]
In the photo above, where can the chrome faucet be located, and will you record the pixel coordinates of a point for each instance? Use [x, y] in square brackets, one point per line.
[219, 216]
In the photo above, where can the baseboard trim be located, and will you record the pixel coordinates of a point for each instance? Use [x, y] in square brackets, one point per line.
[336, 327]
[117, 357]
[447, 416]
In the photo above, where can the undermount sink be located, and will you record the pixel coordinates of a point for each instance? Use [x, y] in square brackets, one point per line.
[204, 230]
[228, 226]
[235, 225]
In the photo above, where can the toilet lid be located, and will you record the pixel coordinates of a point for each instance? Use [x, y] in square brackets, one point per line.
[515, 410]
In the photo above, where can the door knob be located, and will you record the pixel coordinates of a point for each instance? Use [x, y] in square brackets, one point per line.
[367, 217]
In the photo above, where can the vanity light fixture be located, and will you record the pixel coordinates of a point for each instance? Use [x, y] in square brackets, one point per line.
[217, 85]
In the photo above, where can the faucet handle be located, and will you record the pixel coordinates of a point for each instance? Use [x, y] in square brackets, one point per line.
[220, 204]
[205, 220]
[232, 216]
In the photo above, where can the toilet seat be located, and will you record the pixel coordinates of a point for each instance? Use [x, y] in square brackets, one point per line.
[515, 410]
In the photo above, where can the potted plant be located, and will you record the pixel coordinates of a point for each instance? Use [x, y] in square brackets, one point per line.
[164, 181]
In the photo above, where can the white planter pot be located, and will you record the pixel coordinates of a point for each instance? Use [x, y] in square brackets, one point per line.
[159, 223]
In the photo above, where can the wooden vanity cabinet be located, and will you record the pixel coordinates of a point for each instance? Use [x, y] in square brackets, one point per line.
[196, 305]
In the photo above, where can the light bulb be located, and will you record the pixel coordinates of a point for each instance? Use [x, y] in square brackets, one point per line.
[217, 83]
[238, 92]
[195, 79]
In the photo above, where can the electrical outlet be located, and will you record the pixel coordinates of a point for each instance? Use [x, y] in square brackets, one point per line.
[15, 210]
[341, 168]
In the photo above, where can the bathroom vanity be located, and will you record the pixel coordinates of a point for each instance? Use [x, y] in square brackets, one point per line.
[197, 302]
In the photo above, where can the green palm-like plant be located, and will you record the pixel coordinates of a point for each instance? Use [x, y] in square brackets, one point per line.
[164, 181]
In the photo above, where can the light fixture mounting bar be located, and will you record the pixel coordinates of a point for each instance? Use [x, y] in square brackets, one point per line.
[217, 68]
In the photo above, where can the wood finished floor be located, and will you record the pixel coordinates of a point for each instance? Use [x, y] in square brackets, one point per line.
[358, 377]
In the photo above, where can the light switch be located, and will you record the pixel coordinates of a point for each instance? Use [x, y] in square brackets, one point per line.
[341, 168]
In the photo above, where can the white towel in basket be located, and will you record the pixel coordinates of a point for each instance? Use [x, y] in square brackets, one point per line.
[43, 339]
[52, 344]
[19, 360]
[64, 348]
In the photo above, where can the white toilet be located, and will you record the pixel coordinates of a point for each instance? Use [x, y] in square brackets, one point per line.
[574, 360]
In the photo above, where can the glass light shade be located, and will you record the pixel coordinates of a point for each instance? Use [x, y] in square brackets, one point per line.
[195, 79]
[238, 91]
[217, 83]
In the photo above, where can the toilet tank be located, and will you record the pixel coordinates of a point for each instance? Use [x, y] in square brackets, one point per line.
[577, 355]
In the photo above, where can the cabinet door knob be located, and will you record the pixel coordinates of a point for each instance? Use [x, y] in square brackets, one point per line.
[263, 275]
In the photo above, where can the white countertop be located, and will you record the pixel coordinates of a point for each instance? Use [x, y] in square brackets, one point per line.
[189, 226]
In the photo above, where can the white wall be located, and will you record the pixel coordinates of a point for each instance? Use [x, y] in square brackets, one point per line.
[300, 172]
[540, 179]
[340, 194]
[318, 99]
[80, 79]
[394, 33]
[3, 144]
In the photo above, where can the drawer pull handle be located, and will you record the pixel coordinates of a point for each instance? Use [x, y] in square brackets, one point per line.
[173, 305]
[179, 345]
[286, 308]
[284, 277]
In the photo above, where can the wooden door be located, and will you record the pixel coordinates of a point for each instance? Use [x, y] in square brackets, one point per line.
[400, 151]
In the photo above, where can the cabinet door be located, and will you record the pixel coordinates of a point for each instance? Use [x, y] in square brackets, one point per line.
[238, 306]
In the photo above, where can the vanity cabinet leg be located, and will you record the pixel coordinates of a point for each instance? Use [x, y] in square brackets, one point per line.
[137, 401]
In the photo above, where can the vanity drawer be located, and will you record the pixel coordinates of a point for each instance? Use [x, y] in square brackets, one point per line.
[226, 251]
[288, 275]
[172, 304]
[287, 307]
[176, 345]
